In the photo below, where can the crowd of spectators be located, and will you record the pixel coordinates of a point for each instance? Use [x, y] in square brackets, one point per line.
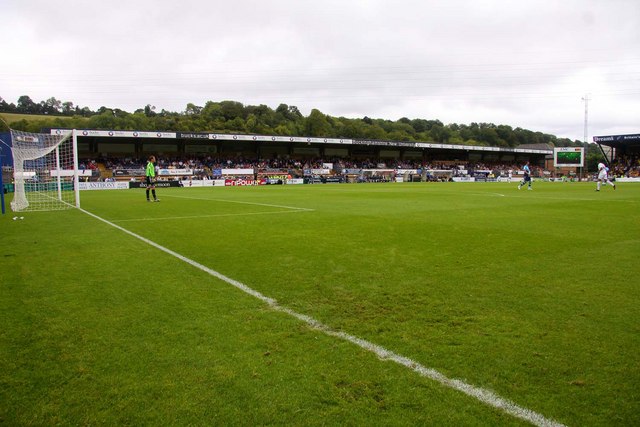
[207, 167]
[626, 166]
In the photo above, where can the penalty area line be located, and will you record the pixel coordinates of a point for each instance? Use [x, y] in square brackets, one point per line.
[241, 202]
[483, 395]
[210, 216]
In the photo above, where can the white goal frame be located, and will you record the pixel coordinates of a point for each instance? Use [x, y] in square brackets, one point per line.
[45, 171]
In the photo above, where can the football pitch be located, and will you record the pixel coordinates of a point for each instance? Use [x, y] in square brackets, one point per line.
[344, 304]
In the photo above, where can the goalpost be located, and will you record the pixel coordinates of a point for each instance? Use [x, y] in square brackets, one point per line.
[45, 171]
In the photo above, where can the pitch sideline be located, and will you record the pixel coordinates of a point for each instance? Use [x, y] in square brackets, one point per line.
[483, 395]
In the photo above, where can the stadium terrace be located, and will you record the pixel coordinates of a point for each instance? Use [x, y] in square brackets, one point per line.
[317, 159]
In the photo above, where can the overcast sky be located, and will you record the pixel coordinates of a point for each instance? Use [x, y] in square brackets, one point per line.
[526, 64]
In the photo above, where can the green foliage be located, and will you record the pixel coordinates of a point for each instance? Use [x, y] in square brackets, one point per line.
[317, 124]
[233, 116]
[593, 156]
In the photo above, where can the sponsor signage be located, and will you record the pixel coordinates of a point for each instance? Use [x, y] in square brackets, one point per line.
[618, 138]
[64, 172]
[332, 180]
[314, 140]
[273, 138]
[317, 171]
[158, 184]
[239, 182]
[384, 143]
[128, 172]
[185, 135]
[236, 171]
[26, 138]
[203, 183]
[117, 133]
[26, 174]
[174, 172]
[118, 185]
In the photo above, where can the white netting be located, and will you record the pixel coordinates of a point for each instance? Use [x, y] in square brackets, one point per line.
[45, 171]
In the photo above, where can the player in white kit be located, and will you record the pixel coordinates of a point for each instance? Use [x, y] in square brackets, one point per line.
[603, 176]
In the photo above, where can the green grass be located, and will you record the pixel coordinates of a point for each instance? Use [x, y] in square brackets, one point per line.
[10, 118]
[530, 294]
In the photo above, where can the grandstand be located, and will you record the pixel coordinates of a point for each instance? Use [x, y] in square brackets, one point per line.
[119, 155]
[622, 152]
[186, 158]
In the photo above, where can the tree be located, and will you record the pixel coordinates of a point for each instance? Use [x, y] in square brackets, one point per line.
[432, 123]
[193, 110]
[103, 110]
[374, 132]
[283, 112]
[506, 134]
[252, 124]
[353, 128]
[593, 156]
[489, 135]
[317, 124]
[67, 108]
[52, 106]
[106, 120]
[236, 125]
[404, 128]
[232, 110]
[26, 105]
[120, 113]
[6, 107]
[440, 133]
[295, 113]
[84, 111]
[399, 135]
[419, 125]
[287, 113]
[149, 110]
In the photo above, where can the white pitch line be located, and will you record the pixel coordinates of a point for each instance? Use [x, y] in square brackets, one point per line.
[211, 216]
[565, 199]
[483, 395]
[240, 202]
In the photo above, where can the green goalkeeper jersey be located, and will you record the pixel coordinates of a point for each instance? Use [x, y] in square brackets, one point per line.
[151, 170]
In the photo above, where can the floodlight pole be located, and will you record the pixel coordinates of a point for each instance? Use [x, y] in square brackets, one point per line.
[586, 100]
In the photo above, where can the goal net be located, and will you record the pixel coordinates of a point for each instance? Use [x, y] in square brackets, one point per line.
[45, 171]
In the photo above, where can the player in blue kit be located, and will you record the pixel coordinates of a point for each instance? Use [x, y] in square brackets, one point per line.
[527, 177]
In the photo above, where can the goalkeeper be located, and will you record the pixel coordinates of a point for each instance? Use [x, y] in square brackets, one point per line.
[150, 178]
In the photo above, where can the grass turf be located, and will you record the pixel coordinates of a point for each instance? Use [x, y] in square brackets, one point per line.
[530, 294]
